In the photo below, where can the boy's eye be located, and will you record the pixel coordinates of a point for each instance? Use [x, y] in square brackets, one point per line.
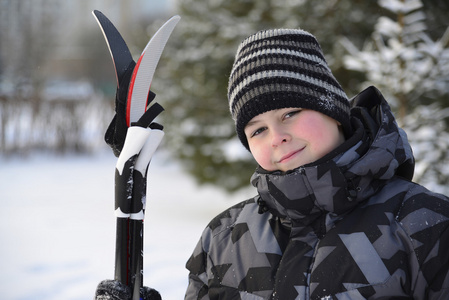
[258, 131]
[291, 113]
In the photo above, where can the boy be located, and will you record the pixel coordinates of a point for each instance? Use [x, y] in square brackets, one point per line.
[336, 215]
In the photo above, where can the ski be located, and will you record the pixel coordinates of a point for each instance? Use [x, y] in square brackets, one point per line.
[142, 77]
[130, 199]
[143, 136]
[138, 211]
[121, 56]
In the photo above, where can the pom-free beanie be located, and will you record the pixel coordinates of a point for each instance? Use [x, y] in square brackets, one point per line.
[283, 68]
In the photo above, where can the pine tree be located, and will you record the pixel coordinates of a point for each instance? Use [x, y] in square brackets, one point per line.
[429, 135]
[193, 75]
[401, 59]
[410, 68]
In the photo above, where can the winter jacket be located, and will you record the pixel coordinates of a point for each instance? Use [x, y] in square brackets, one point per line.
[351, 225]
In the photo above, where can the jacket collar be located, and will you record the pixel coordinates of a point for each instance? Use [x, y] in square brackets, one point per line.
[305, 193]
[352, 173]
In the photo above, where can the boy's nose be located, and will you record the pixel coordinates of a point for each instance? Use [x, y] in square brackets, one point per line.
[279, 137]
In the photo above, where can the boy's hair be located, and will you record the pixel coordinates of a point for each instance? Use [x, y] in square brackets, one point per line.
[283, 68]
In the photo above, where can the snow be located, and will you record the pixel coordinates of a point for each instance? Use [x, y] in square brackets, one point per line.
[400, 6]
[58, 225]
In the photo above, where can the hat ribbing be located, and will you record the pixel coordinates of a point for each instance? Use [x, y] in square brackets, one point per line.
[283, 68]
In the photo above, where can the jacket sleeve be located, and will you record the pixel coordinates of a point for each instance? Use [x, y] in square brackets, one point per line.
[200, 264]
[425, 217]
[197, 288]
[437, 264]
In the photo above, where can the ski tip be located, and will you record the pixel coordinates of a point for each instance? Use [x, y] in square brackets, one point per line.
[96, 12]
[175, 19]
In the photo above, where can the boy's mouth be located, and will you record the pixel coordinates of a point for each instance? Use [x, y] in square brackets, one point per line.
[290, 155]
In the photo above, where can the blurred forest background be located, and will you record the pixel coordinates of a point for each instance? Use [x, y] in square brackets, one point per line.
[57, 82]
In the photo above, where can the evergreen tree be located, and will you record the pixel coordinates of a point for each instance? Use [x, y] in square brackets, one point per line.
[192, 77]
[402, 59]
[411, 69]
[428, 132]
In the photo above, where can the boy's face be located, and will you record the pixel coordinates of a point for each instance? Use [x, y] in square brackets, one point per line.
[287, 138]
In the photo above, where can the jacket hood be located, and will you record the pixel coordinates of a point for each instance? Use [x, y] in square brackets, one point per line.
[341, 180]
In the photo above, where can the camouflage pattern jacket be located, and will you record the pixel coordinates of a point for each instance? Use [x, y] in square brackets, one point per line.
[349, 226]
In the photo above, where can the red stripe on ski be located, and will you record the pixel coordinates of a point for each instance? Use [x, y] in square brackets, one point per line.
[130, 91]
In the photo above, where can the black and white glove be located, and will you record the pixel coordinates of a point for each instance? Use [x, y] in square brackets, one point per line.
[115, 290]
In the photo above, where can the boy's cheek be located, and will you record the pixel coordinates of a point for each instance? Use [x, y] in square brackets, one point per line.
[263, 158]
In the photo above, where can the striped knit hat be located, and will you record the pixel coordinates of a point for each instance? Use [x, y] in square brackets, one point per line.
[283, 68]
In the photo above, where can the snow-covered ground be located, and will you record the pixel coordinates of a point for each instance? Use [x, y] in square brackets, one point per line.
[57, 226]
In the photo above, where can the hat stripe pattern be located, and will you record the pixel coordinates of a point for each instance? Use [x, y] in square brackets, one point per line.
[283, 68]
[286, 52]
[237, 105]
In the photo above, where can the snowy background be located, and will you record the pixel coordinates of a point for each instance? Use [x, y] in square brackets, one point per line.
[57, 225]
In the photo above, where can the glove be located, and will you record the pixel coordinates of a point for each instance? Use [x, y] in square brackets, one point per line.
[115, 290]
[117, 129]
[149, 294]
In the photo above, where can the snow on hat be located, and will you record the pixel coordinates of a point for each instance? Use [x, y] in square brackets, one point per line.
[283, 68]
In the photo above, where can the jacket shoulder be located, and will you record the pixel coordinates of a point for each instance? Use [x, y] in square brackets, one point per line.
[424, 216]
[230, 215]
[424, 207]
